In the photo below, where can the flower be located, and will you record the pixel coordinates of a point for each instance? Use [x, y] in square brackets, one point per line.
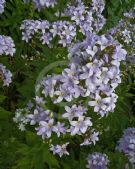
[77, 13]
[90, 78]
[74, 111]
[103, 105]
[59, 129]
[47, 84]
[2, 4]
[66, 31]
[93, 137]
[21, 118]
[80, 126]
[45, 128]
[124, 32]
[39, 4]
[30, 27]
[63, 93]
[98, 5]
[39, 114]
[39, 100]
[7, 46]
[6, 75]
[97, 161]
[127, 144]
[59, 149]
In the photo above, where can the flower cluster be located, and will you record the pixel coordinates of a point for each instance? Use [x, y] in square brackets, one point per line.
[127, 144]
[98, 59]
[97, 161]
[93, 73]
[40, 4]
[47, 126]
[7, 46]
[46, 31]
[20, 118]
[5, 75]
[88, 20]
[2, 4]
[125, 33]
[92, 76]
[88, 81]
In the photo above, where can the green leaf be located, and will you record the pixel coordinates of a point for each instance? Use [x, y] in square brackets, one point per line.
[2, 98]
[49, 158]
[32, 138]
[4, 114]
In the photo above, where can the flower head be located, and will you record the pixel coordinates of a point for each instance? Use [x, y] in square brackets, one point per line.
[7, 46]
[59, 149]
[127, 144]
[2, 4]
[6, 75]
[97, 161]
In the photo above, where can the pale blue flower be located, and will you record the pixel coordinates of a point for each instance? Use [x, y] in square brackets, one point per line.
[39, 114]
[59, 149]
[97, 161]
[74, 111]
[62, 93]
[7, 46]
[127, 144]
[39, 4]
[2, 4]
[6, 75]
[92, 138]
[59, 129]
[80, 126]
[45, 129]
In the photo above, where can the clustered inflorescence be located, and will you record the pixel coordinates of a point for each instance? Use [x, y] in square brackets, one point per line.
[40, 4]
[2, 4]
[6, 75]
[89, 81]
[125, 32]
[86, 19]
[47, 31]
[127, 144]
[97, 161]
[7, 47]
